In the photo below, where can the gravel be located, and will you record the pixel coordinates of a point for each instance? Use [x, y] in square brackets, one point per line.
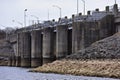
[108, 48]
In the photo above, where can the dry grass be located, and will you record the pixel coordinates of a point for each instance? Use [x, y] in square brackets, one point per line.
[101, 68]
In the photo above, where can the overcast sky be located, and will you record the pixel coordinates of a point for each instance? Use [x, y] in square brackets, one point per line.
[14, 9]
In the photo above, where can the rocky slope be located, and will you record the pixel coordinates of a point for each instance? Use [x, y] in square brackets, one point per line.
[108, 48]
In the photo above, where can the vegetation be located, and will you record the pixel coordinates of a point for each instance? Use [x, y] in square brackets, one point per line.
[101, 68]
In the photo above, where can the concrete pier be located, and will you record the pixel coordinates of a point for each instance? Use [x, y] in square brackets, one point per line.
[91, 33]
[36, 53]
[48, 45]
[10, 61]
[107, 27]
[25, 49]
[61, 41]
[19, 50]
[13, 61]
[77, 36]
[18, 61]
[84, 34]
[17, 57]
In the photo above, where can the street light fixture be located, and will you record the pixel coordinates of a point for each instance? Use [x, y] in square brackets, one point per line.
[59, 9]
[25, 17]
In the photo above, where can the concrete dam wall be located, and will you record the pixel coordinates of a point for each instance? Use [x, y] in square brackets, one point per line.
[55, 40]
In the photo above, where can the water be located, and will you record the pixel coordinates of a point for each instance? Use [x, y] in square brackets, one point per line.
[14, 73]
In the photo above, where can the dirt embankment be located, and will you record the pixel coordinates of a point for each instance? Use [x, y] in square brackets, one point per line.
[102, 58]
[101, 68]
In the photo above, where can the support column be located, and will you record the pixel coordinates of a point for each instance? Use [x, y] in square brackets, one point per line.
[10, 61]
[36, 52]
[48, 47]
[77, 36]
[19, 44]
[13, 61]
[62, 41]
[25, 49]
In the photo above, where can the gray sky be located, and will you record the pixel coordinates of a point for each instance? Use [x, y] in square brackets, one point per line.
[14, 9]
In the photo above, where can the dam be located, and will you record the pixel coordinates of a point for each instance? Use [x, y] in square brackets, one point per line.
[46, 42]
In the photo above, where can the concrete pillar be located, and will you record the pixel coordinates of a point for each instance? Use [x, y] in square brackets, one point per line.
[36, 52]
[13, 61]
[61, 41]
[18, 61]
[110, 25]
[19, 50]
[107, 27]
[48, 47]
[25, 49]
[91, 33]
[77, 36]
[10, 61]
[15, 54]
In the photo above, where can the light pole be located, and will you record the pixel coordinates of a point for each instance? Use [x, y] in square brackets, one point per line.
[77, 6]
[48, 14]
[25, 17]
[115, 2]
[59, 9]
[35, 17]
[84, 6]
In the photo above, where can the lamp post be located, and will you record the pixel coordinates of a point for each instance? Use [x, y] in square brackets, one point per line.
[77, 6]
[25, 17]
[84, 6]
[59, 9]
[48, 14]
[115, 2]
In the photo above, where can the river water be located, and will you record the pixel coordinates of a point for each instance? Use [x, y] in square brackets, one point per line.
[14, 73]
